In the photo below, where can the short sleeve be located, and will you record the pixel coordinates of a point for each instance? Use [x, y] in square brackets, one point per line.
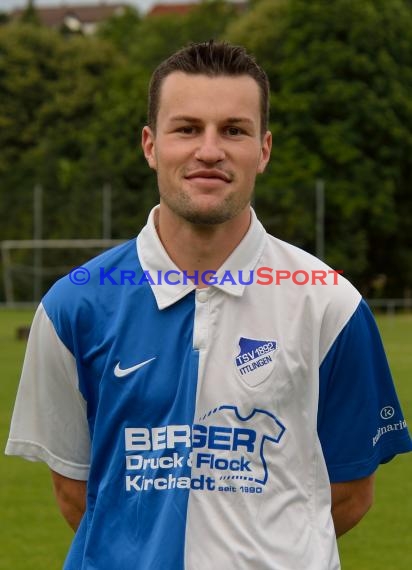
[360, 421]
[49, 420]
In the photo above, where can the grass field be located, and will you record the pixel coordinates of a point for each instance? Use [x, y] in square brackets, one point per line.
[34, 536]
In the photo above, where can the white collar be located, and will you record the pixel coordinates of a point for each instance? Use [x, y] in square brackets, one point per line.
[155, 260]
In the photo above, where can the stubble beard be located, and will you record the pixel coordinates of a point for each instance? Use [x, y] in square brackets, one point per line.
[183, 206]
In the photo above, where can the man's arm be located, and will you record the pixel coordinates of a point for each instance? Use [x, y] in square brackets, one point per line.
[350, 502]
[71, 498]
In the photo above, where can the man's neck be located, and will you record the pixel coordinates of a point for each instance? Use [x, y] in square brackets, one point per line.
[200, 247]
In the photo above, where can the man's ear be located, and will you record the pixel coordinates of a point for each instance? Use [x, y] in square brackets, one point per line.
[148, 146]
[265, 152]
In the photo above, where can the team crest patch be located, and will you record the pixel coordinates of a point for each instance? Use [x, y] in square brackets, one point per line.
[255, 360]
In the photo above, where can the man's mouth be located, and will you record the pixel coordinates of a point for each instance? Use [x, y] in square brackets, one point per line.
[211, 174]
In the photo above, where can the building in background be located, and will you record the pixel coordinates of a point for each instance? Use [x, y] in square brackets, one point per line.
[85, 18]
[160, 8]
[77, 18]
[177, 8]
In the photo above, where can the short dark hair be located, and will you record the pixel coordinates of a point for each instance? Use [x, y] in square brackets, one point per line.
[213, 59]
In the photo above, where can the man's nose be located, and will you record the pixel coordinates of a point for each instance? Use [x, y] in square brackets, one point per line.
[210, 149]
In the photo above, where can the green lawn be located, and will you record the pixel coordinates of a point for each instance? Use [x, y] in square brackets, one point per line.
[383, 540]
[34, 536]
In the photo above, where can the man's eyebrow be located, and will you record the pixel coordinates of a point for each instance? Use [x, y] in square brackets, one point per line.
[186, 118]
[231, 120]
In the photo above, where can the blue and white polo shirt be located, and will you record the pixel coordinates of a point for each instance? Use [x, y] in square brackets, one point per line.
[208, 422]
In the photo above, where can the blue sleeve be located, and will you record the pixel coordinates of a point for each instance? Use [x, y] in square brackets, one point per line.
[360, 422]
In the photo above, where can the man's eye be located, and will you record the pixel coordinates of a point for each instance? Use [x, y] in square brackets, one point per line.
[186, 130]
[233, 131]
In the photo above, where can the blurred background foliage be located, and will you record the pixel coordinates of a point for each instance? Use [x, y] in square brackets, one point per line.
[72, 108]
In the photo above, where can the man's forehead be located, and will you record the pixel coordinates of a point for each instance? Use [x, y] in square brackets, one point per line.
[176, 78]
[196, 91]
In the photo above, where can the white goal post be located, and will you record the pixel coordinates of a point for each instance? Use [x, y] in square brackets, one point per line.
[37, 270]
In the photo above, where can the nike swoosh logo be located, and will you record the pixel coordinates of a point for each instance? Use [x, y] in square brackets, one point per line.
[121, 372]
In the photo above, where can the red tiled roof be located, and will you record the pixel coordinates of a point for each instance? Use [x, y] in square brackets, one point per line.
[162, 9]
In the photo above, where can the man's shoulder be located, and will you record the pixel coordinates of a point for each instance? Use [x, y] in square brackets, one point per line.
[305, 268]
[312, 285]
[294, 255]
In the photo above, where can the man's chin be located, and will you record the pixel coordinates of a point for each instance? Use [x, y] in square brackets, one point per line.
[207, 218]
[207, 212]
[210, 216]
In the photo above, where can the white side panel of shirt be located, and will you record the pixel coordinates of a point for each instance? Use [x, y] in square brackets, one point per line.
[49, 421]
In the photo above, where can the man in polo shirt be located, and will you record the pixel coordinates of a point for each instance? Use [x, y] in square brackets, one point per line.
[228, 418]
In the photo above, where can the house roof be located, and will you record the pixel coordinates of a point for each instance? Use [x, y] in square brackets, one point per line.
[179, 8]
[162, 9]
[55, 16]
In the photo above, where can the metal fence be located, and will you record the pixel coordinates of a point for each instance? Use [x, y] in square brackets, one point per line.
[390, 306]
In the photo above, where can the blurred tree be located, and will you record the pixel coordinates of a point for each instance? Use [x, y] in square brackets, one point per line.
[29, 15]
[341, 74]
[50, 98]
[4, 18]
[159, 36]
[69, 154]
[122, 31]
[115, 142]
[28, 71]
[71, 111]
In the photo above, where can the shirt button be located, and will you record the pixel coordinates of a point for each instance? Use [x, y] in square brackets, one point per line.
[202, 296]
